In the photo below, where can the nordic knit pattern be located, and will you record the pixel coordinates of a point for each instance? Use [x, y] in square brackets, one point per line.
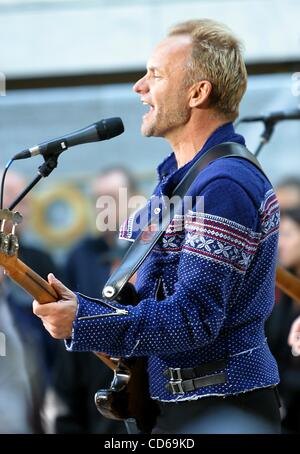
[217, 271]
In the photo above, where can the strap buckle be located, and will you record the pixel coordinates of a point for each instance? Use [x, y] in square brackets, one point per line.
[175, 374]
[176, 387]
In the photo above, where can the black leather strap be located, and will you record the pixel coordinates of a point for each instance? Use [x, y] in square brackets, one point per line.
[183, 380]
[143, 246]
[187, 373]
[185, 386]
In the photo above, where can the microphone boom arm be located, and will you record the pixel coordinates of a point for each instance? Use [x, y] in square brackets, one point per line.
[44, 171]
[266, 135]
[270, 121]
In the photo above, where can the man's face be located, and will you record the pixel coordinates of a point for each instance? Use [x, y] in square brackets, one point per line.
[163, 88]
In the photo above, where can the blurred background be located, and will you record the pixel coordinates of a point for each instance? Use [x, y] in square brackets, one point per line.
[69, 63]
[65, 64]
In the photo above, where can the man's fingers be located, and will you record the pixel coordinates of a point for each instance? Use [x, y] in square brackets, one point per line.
[42, 310]
[290, 338]
[296, 348]
[63, 291]
[294, 332]
[36, 308]
[58, 317]
[294, 337]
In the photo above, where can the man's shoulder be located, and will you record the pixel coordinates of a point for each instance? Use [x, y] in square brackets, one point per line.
[234, 189]
[235, 171]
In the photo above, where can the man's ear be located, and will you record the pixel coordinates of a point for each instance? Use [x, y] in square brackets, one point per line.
[199, 93]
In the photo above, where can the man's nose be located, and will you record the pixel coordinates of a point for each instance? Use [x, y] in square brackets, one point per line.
[141, 85]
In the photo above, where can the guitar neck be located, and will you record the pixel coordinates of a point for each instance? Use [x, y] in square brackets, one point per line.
[288, 283]
[42, 291]
[30, 281]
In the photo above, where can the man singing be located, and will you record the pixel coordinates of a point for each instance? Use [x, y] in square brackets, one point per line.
[207, 287]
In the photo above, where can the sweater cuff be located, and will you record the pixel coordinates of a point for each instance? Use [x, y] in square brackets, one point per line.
[84, 329]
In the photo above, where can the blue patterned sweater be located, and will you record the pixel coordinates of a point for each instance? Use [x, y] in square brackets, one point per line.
[217, 271]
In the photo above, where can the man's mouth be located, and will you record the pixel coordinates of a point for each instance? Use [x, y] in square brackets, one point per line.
[151, 108]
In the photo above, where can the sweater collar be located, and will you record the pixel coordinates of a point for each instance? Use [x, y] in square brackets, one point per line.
[225, 133]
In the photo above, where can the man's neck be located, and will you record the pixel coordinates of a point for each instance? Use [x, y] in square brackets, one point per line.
[187, 142]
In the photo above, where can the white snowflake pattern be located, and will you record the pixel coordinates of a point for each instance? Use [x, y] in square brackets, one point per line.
[235, 253]
[192, 239]
[223, 249]
[204, 243]
[169, 242]
[270, 223]
[245, 260]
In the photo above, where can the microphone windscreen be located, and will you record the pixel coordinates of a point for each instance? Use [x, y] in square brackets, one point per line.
[110, 127]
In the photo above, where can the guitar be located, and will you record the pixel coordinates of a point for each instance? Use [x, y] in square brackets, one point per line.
[128, 397]
[288, 283]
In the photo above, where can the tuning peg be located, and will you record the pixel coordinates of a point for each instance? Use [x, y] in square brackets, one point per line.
[6, 214]
[17, 218]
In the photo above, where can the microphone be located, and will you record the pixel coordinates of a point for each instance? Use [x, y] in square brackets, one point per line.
[101, 130]
[274, 117]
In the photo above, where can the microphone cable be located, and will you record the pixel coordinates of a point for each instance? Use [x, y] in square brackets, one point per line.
[3, 181]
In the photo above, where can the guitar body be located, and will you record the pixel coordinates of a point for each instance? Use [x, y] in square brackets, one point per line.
[128, 396]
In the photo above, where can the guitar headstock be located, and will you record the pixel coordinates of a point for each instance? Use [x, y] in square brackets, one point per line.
[9, 244]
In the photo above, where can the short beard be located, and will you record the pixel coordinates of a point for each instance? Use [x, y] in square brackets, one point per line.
[164, 123]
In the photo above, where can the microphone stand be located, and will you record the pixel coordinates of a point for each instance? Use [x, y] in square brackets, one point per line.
[50, 157]
[266, 134]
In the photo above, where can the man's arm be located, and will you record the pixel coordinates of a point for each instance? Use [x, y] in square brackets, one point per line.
[194, 314]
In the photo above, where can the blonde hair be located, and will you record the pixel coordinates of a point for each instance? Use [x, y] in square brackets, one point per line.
[217, 57]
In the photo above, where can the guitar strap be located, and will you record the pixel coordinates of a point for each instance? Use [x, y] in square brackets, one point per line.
[143, 244]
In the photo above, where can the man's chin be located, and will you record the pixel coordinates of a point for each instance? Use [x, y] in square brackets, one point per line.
[149, 130]
[146, 131]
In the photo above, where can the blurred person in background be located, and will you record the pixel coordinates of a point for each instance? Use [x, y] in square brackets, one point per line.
[76, 377]
[283, 315]
[90, 262]
[39, 347]
[16, 406]
[288, 192]
[294, 337]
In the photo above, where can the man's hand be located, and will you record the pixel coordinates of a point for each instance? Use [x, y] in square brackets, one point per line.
[294, 337]
[58, 317]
